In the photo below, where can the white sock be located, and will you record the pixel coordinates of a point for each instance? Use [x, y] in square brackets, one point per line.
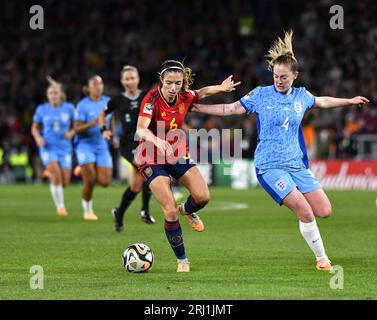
[57, 196]
[87, 206]
[311, 234]
[60, 193]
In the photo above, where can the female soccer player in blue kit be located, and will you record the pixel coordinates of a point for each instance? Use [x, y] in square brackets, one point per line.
[281, 161]
[92, 151]
[52, 131]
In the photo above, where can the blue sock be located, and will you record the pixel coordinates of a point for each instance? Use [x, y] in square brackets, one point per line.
[174, 234]
[191, 206]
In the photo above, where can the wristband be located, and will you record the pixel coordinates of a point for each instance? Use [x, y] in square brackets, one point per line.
[102, 129]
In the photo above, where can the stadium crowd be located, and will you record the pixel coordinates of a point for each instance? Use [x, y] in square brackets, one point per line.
[82, 37]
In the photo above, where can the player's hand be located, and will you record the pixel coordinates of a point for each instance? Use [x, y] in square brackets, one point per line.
[228, 84]
[116, 143]
[359, 100]
[40, 142]
[69, 134]
[107, 134]
[164, 146]
[94, 122]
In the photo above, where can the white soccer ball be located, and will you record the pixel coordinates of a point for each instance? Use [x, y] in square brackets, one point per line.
[138, 257]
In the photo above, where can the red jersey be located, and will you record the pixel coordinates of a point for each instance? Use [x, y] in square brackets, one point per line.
[165, 123]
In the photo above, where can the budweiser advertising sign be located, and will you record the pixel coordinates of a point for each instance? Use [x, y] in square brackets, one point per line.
[360, 175]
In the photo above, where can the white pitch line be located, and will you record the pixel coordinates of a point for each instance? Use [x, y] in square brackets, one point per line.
[226, 206]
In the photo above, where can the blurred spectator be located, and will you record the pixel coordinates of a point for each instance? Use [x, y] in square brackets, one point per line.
[83, 37]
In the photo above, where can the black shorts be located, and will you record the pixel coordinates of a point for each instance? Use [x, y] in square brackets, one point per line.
[128, 153]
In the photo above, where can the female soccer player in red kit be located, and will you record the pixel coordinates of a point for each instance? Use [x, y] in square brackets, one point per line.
[159, 156]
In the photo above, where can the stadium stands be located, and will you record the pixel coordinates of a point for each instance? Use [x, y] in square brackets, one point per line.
[85, 37]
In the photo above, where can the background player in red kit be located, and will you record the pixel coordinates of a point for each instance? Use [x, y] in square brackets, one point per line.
[163, 111]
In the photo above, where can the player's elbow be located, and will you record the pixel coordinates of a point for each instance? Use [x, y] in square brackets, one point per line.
[101, 118]
[235, 108]
[34, 129]
[139, 134]
[76, 127]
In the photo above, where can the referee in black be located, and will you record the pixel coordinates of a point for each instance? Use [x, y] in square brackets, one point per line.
[125, 107]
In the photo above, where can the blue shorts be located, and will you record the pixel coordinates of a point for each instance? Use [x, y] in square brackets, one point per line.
[90, 154]
[280, 182]
[176, 170]
[62, 156]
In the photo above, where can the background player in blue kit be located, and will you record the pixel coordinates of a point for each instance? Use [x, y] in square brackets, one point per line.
[92, 150]
[281, 161]
[52, 131]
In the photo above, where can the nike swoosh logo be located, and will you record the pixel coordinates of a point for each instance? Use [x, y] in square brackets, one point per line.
[268, 107]
[314, 241]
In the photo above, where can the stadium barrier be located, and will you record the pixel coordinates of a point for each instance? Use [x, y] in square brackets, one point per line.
[346, 175]
[335, 175]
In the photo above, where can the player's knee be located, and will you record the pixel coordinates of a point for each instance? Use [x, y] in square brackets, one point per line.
[325, 211]
[306, 216]
[170, 212]
[55, 176]
[104, 182]
[136, 188]
[202, 199]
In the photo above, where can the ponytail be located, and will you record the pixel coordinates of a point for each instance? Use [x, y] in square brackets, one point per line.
[56, 85]
[281, 52]
[188, 79]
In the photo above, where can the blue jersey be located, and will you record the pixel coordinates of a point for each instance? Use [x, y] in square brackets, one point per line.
[56, 121]
[88, 110]
[280, 139]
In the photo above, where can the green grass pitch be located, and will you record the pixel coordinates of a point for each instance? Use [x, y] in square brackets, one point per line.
[251, 249]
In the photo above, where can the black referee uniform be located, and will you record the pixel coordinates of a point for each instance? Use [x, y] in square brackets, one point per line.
[126, 110]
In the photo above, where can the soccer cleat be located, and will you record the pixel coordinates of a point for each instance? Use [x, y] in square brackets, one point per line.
[62, 212]
[324, 264]
[147, 217]
[193, 219]
[118, 223]
[90, 216]
[183, 265]
[77, 171]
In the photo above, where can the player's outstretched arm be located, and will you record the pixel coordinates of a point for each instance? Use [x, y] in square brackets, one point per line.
[143, 133]
[330, 102]
[219, 109]
[227, 85]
